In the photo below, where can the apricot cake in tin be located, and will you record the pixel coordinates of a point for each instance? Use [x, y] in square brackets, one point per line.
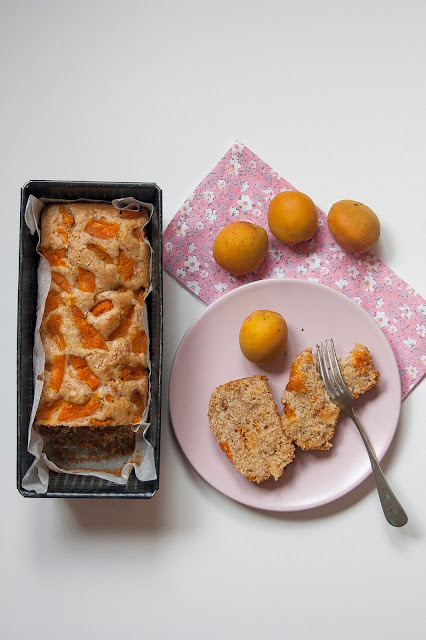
[96, 371]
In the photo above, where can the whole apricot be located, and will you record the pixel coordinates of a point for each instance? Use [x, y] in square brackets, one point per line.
[240, 247]
[353, 225]
[292, 217]
[263, 336]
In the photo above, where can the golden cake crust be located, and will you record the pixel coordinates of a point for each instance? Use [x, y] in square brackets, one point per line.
[96, 371]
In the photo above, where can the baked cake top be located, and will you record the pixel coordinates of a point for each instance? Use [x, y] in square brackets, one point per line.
[92, 329]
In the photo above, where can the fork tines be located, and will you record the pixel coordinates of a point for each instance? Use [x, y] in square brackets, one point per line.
[330, 370]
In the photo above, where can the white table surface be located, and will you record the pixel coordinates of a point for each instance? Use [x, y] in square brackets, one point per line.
[332, 95]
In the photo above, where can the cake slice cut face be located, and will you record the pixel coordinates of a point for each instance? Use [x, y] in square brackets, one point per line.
[309, 417]
[244, 420]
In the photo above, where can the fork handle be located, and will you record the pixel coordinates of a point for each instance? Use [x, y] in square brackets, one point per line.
[392, 509]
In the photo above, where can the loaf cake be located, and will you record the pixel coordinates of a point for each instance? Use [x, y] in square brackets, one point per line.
[244, 420]
[96, 378]
[309, 417]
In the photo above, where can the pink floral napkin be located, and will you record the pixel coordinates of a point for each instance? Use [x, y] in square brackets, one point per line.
[240, 187]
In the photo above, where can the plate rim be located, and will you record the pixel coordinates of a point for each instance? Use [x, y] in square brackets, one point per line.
[234, 293]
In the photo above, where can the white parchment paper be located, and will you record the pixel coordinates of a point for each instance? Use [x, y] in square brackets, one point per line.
[142, 459]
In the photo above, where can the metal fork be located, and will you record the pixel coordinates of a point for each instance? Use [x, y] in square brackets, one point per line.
[340, 395]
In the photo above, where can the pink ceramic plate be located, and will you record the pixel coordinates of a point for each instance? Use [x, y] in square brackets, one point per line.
[209, 355]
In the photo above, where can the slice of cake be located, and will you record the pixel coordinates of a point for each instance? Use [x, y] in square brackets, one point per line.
[309, 417]
[96, 379]
[244, 420]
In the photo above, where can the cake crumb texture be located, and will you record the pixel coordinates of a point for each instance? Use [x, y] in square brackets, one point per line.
[244, 420]
[309, 417]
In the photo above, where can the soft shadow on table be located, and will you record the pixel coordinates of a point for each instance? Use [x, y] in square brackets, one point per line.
[170, 509]
[109, 514]
[360, 492]
[167, 510]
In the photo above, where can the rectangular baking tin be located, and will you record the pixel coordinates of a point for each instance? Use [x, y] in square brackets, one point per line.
[65, 485]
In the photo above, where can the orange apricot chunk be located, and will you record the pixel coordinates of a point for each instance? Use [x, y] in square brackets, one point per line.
[86, 375]
[52, 302]
[66, 224]
[138, 233]
[101, 307]
[360, 360]
[91, 338]
[101, 423]
[140, 403]
[60, 280]
[78, 363]
[139, 342]
[132, 373]
[57, 374]
[134, 215]
[125, 265]
[289, 412]
[100, 253]
[55, 257]
[72, 411]
[140, 295]
[86, 280]
[45, 412]
[67, 216]
[109, 398]
[124, 325]
[54, 330]
[226, 449]
[296, 380]
[102, 229]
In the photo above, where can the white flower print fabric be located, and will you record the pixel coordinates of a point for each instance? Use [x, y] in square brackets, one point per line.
[240, 187]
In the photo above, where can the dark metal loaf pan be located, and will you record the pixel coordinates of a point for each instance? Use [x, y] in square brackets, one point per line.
[66, 485]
